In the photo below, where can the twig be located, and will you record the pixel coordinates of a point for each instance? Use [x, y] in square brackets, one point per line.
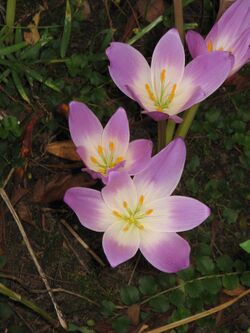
[8, 177]
[84, 245]
[199, 315]
[38, 267]
[108, 13]
[133, 271]
[178, 17]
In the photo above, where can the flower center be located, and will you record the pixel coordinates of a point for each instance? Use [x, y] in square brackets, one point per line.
[162, 101]
[133, 217]
[105, 160]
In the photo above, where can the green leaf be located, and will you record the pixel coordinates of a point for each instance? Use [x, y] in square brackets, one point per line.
[121, 324]
[5, 311]
[176, 297]
[212, 285]
[66, 30]
[245, 279]
[147, 285]
[166, 280]
[239, 265]
[225, 263]
[159, 304]
[11, 49]
[19, 86]
[194, 289]
[187, 274]
[129, 295]
[3, 261]
[246, 246]
[230, 282]
[107, 308]
[205, 265]
[230, 215]
[203, 249]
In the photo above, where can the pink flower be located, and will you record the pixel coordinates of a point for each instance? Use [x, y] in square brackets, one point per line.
[168, 87]
[231, 33]
[108, 149]
[141, 213]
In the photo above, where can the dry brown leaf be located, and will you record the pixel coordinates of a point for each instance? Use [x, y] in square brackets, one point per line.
[63, 149]
[33, 36]
[25, 213]
[151, 9]
[84, 8]
[234, 292]
[134, 314]
[47, 191]
[224, 4]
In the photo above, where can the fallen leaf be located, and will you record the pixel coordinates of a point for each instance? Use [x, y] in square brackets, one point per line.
[84, 8]
[134, 314]
[24, 213]
[151, 9]
[63, 149]
[47, 191]
[234, 292]
[33, 36]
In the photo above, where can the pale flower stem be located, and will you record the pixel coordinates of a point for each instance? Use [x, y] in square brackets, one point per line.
[187, 121]
[170, 131]
[161, 130]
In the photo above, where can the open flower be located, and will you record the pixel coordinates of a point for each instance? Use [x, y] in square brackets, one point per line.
[108, 149]
[231, 33]
[168, 87]
[141, 214]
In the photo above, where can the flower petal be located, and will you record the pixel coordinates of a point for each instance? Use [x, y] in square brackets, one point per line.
[166, 251]
[120, 189]
[168, 55]
[89, 208]
[163, 172]
[85, 127]
[175, 214]
[120, 245]
[196, 44]
[240, 51]
[138, 155]
[157, 115]
[117, 132]
[127, 67]
[208, 71]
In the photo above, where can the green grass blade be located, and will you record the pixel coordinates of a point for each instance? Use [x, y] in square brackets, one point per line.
[4, 75]
[18, 35]
[35, 75]
[66, 31]
[11, 49]
[19, 86]
[10, 18]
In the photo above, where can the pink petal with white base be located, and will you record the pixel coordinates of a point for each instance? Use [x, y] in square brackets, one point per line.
[89, 208]
[119, 245]
[196, 43]
[138, 155]
[168, 252]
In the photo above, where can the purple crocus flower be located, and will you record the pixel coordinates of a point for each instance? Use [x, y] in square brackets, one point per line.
[231, 33]
[168, 87]
[108, 149]
[141, 214]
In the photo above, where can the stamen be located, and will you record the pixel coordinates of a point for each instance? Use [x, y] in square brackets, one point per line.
[149, 211]
[159, 109]
[140, 226]
[221, 49]
[163, 75]
[100, 150]
[111, 146]
[210, 46]
[93, 159]
[118, 160]
[125, 204]
[150, 93]
[141, 200]
[126, 228]
[117, 214]
[171, 96]
[102, 171]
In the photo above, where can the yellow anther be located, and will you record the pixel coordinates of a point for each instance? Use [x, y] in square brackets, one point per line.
[163, 75]
[125, 204]
[149, 211]
[140, 226]
[159, 109]
[100, 150]
[171, 96]
[221, 49]
[93, 159]
[150, 93]
[102, 170]
[141, 199]
[210, 46]
[119, 160]
[111, 146]
[117, 214]
[126, 228]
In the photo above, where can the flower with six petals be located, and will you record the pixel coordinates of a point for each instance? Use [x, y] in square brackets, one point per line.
[108, 149]
[231, 33]
[140, 213]
[168, 87]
